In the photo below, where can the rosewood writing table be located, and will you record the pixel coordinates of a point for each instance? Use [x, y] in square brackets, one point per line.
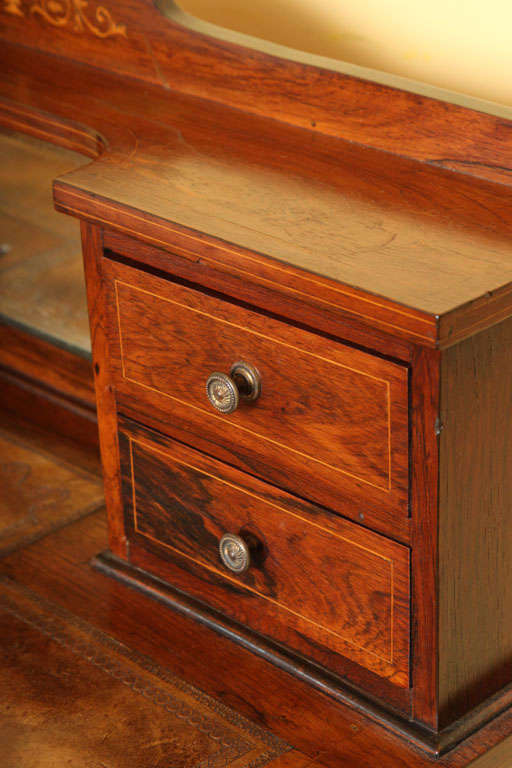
[300, 291]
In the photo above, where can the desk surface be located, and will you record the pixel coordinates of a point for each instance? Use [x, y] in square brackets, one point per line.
[418, 236]
[41, 272]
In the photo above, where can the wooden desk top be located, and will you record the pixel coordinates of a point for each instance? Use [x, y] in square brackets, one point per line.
[354, 223]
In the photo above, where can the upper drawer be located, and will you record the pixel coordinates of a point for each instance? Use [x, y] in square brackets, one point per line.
[331, 422]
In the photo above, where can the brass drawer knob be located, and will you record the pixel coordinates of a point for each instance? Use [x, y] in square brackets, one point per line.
[234, 553]
[224, 392]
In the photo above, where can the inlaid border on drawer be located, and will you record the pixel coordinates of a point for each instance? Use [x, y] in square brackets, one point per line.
[331, 423]
[327, 587]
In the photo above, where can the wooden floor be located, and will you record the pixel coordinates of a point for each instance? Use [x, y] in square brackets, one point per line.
[71, 694]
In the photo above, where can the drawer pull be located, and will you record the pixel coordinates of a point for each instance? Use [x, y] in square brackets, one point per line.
[234, 553]
[224, 392]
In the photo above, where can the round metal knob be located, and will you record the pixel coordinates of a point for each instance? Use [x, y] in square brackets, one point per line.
[234, 553]
[224, 392]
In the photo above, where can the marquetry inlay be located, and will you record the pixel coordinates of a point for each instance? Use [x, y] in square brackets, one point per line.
[73, 14]
[14, 7]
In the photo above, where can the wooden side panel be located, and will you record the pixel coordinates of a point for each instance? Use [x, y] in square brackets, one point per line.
[92, 246]
[321, 585]
[424, 533]
[475, 534]
[331, 422]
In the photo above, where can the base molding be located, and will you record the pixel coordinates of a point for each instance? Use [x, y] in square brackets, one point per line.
[462, 729]
[47, 384]
[434, 747]
[327, 732]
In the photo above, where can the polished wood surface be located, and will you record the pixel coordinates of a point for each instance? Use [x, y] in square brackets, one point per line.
[51, 584]
[475, 567]
[425, 429]
[38, 360]
[416, 231]
[434, 241]
[313, 576]
[134, 39]
[425, 383]
[57, 569]
[92, 247]
[68, 692]
[327, 414]
[375, 237]
[294, 306]
[30, 399]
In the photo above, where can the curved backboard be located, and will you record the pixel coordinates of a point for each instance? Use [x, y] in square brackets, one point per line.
[322, 40]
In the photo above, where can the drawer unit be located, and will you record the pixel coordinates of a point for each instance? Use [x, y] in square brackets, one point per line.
[286, 569]
[302, 335]
[329, 474]
[330, 422]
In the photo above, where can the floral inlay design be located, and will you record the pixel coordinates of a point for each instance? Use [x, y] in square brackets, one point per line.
[70, 13]
[14, 7]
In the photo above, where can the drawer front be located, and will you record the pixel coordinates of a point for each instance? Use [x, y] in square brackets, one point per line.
[318, 584]
[331, 422]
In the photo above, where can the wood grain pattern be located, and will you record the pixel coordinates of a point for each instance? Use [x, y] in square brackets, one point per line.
[396, 255]
[166, 53]
[324, 228]
[293, 759]
[425, 385]
[105, 396]
[446, 237]
[353, 305]
[326, 313]
[259, 690]
[330, 732]
[347, 593]
[66, 133]
[327, 412]
[475, 522]
[30, 399]
[57, 368]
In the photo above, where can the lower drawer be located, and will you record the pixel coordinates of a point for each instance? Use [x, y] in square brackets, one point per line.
[317, 584]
